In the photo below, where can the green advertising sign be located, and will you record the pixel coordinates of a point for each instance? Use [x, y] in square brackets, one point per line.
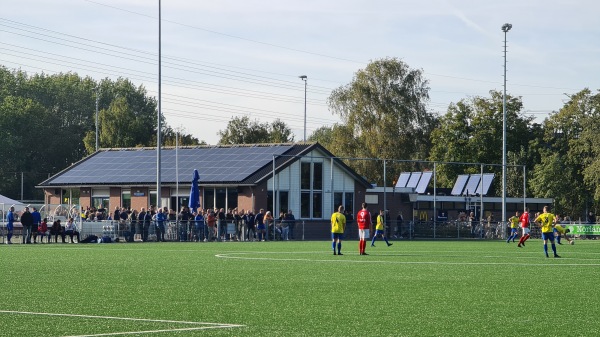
[583, 229]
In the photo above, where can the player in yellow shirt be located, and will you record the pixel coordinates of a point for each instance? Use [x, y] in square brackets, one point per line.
[514, 227]
[546, 221]
[560, 231]
[338, 226]
[380, 229]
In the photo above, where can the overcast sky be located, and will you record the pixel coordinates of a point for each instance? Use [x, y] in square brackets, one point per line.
[230, 58]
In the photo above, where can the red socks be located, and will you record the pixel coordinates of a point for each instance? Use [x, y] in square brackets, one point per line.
[362, 244]
[523, 239]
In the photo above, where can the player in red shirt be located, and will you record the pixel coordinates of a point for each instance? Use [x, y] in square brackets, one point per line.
[524, 220]
[363, 219]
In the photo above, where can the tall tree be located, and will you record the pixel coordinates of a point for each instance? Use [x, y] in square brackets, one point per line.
[127, 116]
[170, 138]
[569, 152]
[23, 146]
[240, 130]
[384, 111]
[322, 135]
[471, 132]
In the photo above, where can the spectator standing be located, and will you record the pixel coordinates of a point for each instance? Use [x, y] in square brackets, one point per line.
[285, 228]
[338, 226]
[10, 224]
[239, 224]
[363, 220]
[199, 225]
[250, 226]
[399, 223]
[37, 220]
[71, 230]
[184, 219]
[141, 224]
[230, 219]
[135, 231]
[146, 225]
[160, 219]
[591, 218]
[221, 224]
[280, 224]
[260, 224]
[117, 213]
[269, 221]
[211, 221]
[291, 222]
[27, 222]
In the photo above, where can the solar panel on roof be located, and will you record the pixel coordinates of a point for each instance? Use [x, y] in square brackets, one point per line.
[403, 179]
[471, 188]
[139, 166]
[459, 185]
[414, 179]
[425, 178]
[484, 185]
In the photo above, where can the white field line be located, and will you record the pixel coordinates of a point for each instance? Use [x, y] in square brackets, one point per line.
[341, 260]
[211, 325]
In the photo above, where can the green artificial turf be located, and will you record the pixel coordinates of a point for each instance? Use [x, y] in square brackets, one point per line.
[413, 288]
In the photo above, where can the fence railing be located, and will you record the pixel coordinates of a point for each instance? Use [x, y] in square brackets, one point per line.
[238, 231]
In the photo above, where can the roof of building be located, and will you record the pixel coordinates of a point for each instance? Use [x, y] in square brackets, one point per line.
[222, 164]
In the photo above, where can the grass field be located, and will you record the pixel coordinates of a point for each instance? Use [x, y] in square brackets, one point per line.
[418, 288]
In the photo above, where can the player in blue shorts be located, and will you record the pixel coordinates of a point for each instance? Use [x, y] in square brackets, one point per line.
[514, 227]
[338, 226]
[546, 221]
[380, 229]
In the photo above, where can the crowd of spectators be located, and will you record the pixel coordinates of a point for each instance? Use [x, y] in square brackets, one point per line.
[199, 225]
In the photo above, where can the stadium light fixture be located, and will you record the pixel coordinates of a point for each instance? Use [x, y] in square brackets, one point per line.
[304, 78]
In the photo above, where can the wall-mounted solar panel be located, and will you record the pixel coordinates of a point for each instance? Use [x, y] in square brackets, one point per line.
[459, 185]
[403, 179]
[425, 178]
[471, 188]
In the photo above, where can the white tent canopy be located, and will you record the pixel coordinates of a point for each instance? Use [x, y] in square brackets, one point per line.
[5, 204]
[9, 201]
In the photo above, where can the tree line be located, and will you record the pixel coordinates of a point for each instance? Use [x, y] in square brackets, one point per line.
[48, 123]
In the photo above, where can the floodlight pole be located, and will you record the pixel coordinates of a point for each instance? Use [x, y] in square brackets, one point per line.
[505, 28]
[97, 98]
[158, 122]
[304, 78]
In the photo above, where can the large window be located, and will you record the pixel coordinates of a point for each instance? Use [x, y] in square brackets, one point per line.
[100, 202]
[220, 197]
[317, 176]
[126, 199]
[100, 198]
[232, 198]
[282, 203]
[153, 198]
[349, 202]
[317, 205]
[305, 176]
[305, 205]
[345, 199]
[209, 198]
[311, 194]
